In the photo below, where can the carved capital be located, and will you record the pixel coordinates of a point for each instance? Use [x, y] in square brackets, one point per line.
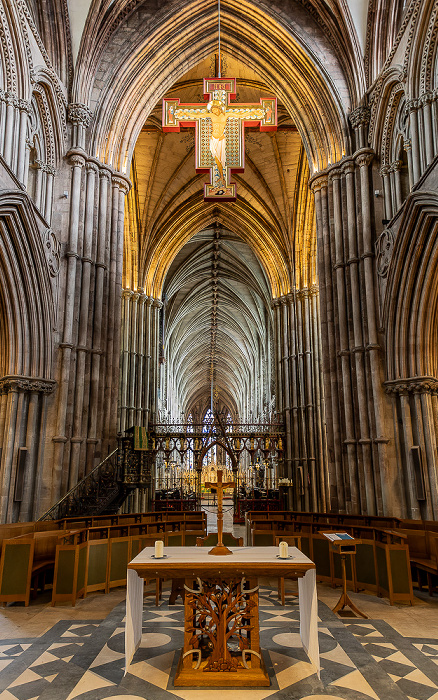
[348, 167]
[91, 167]
[121, 183]
[363, 157]
[426, 98]
[384, 170]
[412, 105]
[360, 117]
[105, 174]
[317, 182]
[23, 106]
[76, 160]
[335, 174]
[79, 114]
[396, 165]
[412, 385]
[20, 383]
[11, 99]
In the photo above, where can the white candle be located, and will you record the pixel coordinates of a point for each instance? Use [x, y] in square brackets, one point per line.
[159, 549]
[284, 550]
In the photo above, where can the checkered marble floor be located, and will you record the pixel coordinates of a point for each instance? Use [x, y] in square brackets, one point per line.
[360, 659]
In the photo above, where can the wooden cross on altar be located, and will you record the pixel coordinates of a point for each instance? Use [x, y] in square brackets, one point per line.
[219, 132]
[220, 485]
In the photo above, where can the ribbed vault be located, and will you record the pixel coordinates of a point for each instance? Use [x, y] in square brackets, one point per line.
[135, 53]
[218, 327]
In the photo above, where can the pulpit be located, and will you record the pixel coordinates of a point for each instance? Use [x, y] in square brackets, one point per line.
[221, 626]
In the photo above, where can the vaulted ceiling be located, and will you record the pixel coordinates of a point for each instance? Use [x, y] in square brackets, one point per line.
[217, 266]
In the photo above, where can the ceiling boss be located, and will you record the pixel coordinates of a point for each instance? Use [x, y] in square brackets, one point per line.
[219, 132]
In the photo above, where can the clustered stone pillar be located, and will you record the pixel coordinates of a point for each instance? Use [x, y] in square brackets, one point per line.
[139, 360]
[86, 421]
[22, 416]
[361, 454]
[299, 383]
[139, 368]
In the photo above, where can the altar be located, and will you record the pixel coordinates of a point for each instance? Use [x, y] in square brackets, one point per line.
[221, 616]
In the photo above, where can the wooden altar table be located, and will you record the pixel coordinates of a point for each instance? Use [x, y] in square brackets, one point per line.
[221, 620]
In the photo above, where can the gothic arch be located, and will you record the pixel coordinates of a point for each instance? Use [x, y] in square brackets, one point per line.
[224, 446]
[297, 67]
[174, 233]
[411, 299]
[27, 297]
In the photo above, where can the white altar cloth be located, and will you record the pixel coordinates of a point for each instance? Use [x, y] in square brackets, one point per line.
[245, 556]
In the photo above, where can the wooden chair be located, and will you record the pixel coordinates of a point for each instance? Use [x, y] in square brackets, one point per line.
[293, 541]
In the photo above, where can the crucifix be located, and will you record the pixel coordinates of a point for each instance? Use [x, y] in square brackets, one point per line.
[219, 131]
[220, 485]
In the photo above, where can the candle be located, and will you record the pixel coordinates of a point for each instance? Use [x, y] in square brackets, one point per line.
[159, 549]
[284, 550]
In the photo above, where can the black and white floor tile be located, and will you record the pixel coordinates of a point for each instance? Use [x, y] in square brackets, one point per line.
[84, 660]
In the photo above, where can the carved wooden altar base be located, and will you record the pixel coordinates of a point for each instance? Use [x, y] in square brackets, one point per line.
[221, 634]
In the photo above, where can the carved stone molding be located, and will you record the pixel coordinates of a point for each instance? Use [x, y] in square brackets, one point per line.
[363, 157]
[52, 249]
[19, 383]
[122, 183]
[77, 160]
[384, 248]
[79, 113]
[412, 385]
[360, 117]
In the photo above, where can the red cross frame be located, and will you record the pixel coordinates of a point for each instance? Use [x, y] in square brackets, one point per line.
[238, 115]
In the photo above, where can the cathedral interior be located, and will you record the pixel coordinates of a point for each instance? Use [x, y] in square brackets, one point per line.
[167, 312]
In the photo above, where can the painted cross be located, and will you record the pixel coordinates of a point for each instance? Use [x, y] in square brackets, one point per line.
[219, 132]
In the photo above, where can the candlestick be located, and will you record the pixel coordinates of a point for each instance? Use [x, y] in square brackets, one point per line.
[159, 549]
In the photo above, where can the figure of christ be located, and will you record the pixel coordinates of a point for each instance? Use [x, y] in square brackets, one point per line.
[217, 112]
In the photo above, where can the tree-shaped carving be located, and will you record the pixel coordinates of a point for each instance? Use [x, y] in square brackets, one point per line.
[221, 610]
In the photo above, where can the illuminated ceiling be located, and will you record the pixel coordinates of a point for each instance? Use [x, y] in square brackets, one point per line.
[218, 322]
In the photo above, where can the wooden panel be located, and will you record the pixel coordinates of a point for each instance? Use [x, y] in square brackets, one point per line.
[16, 570]
[97, 565]
[119, 557]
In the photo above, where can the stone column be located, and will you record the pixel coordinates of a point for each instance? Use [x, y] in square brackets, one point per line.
[426, 101]
[82, 350]
[125, 352]
[139, 406]
[148, 360]
[133, 362]
[60, 480]
[384, 172]
[344, 352]
[80, 116]
[97, 377]
[24, 108]
[8, 153]
[408, 148]
[412, 107]
[48, 202]
[389, 489]
[396, 168]
[123, 188]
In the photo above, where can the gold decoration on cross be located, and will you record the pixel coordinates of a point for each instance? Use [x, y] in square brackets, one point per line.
[219, 131]
[220, 485]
